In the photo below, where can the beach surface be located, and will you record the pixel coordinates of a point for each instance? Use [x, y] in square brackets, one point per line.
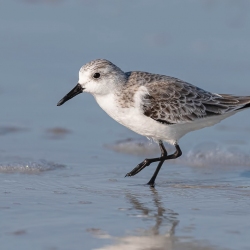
[62, 169]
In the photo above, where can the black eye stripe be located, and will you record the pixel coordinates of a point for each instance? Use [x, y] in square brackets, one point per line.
[96, 75]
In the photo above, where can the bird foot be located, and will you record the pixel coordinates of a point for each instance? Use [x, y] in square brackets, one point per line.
[151, 184]
[139, 168]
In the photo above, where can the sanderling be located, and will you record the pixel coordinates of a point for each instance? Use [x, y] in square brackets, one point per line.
[159, 107]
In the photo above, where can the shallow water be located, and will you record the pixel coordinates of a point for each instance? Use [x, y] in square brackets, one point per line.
[62, 169]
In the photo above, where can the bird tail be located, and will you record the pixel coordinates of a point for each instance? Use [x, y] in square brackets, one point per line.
[245, 100]
[238, 102]
[246, 106]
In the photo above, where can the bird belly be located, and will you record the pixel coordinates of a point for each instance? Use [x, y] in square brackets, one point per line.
[134, 119]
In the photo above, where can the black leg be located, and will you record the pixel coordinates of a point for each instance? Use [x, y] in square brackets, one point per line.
[147, 162]
[175, 155]
[152, 180]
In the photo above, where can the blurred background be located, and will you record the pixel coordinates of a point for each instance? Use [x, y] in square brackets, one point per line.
[85, 202]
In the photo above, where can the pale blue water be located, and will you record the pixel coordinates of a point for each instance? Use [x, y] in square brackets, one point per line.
[62, 169]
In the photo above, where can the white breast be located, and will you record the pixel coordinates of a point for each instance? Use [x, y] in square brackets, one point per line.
[134, 119]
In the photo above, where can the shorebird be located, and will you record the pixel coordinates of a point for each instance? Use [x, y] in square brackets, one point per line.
[159, 107]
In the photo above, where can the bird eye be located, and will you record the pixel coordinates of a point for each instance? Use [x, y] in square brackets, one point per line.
[96, 75]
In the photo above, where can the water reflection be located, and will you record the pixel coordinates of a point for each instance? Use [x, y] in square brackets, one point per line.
[161, 235]
[163, 217]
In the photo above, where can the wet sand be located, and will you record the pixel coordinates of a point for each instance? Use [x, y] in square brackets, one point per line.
[91, 205]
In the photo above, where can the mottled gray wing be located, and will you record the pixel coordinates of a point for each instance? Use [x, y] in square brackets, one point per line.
[172, 101]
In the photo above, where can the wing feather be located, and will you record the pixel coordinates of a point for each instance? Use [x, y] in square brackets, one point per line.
[170, 101]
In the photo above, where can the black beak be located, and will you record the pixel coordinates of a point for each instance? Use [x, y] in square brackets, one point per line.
[75, 91]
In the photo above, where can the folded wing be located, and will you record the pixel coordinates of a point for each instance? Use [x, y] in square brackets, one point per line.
[172, 101]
